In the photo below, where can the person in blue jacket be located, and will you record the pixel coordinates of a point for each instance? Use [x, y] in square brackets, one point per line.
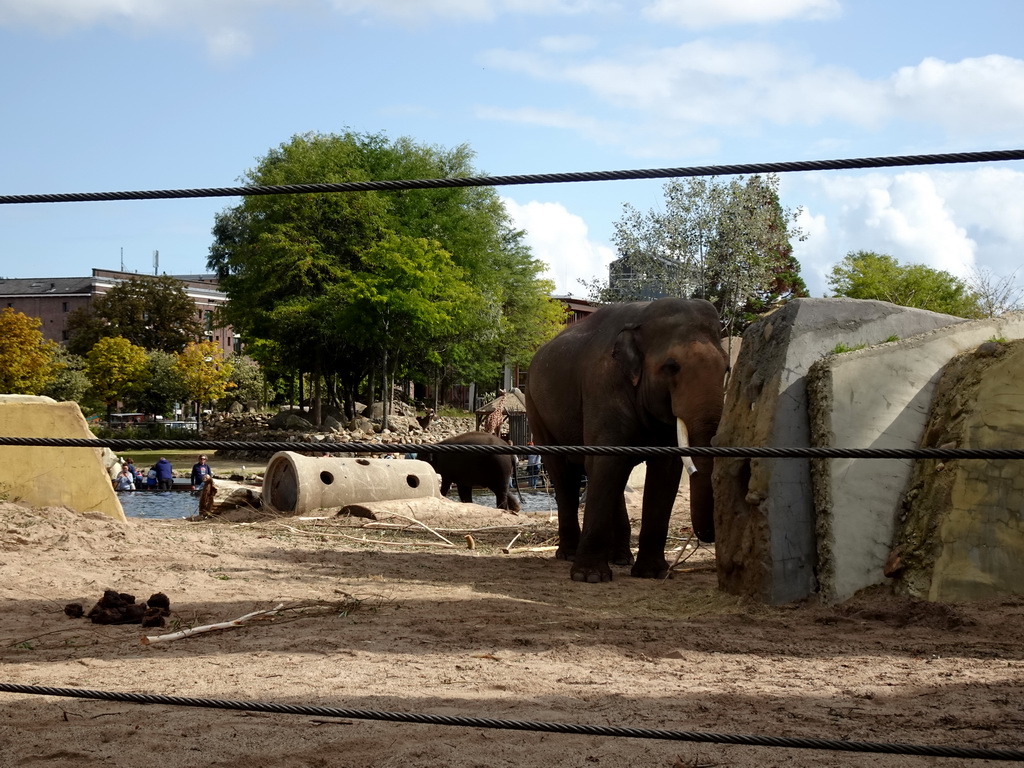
[200, 471]
[164, 475]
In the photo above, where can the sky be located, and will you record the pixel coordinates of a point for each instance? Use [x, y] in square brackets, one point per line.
[118, 95]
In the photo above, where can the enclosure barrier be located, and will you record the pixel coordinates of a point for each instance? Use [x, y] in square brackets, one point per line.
[116, 444]
[536, 178]
[322, 447]
[926, 750]
[125, 444]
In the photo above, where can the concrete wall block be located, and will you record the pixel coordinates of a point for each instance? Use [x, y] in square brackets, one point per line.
[764, 513]
[960, 530]
[45, 476]
[878, 397]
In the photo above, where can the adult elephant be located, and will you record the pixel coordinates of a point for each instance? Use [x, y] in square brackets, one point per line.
[637, 374]
[475, 470]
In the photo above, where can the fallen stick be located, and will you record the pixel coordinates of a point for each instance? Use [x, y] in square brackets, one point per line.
[540, 549]
[509, 547]
[367, 541]
[209, 627]
[424, 526]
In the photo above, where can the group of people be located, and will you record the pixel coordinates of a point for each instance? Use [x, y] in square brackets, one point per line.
[159, 477]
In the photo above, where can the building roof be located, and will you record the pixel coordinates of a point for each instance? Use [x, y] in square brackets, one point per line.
[51, 286]
[512, 402]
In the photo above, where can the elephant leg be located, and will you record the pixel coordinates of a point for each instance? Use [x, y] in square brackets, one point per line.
[660, 491]
[620, 552]
[602, 517]
[567, 478]
[702, 502]
[503, 498]
[446, 485]
[465, 493]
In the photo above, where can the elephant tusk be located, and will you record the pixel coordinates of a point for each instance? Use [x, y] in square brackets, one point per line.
[683, 438]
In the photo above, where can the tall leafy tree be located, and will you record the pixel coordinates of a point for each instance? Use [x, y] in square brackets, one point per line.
[26, 358]
[250, 385]
[70, 381]
[118, 370]
[725, 241]
[204, 374]
[165, 386]
[869, 275]
[151, 312]
[405, 293]
[289, 262]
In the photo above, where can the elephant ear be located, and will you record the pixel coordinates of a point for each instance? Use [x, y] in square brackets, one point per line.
[627, 354]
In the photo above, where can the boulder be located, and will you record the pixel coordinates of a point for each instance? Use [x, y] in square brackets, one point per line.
[960, 533]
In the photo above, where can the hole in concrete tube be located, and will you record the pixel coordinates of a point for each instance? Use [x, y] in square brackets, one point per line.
[326, 477]
[364, 462]
[413, 481]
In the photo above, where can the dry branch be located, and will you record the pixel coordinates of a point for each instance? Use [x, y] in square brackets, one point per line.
[368, 541]
[209, 627]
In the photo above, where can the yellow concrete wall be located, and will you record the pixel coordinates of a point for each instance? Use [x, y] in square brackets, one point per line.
[45, 476]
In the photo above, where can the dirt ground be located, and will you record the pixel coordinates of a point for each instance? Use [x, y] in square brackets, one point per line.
[389, 618]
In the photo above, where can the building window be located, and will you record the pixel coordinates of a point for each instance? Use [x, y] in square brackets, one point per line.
[64, 307]
[63, 335]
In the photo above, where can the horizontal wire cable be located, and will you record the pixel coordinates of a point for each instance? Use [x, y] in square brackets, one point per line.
[126, 444]
[537, 178]
[929, 750]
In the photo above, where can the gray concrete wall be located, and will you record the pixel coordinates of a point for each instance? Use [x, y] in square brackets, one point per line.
[764, 514]
[876, 398]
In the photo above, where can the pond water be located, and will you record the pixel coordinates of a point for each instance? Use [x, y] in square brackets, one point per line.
[159, 505]
[164, 505]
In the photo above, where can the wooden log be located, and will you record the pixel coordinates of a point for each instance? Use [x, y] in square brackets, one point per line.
[432, 508]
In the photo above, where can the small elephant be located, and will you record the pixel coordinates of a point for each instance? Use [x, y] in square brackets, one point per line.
[475, 470]
[637, 374]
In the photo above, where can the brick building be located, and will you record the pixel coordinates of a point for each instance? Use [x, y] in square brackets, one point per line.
[52, 299]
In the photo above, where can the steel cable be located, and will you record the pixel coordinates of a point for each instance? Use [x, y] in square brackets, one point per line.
[126, 444]
[538, 178]
[527, 725]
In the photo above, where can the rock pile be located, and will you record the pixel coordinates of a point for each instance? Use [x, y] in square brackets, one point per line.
[296, 426]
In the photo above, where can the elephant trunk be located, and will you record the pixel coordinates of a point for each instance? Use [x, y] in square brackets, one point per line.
[683, 439]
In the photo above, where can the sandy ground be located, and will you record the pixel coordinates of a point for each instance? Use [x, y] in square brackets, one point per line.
[401, 625]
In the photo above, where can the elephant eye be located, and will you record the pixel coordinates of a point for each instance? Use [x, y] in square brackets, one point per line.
[670, 366]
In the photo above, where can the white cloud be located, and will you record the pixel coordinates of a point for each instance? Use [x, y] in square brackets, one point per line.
[228, 26]
[950, 220]
[967, 95]
[699, 14]
[560, 240]
[746, 86]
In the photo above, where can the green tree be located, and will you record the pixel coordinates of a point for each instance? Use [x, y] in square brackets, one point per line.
[289, 262]
[405, 294]
[151, 312]
[725, 241]
[868, 275]
[165, 386]
[248, 383]
[70, 381]
[118, 370]
[26, 358]
[204, 373]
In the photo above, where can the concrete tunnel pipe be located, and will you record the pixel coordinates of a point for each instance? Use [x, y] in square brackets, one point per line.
[297, 484]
